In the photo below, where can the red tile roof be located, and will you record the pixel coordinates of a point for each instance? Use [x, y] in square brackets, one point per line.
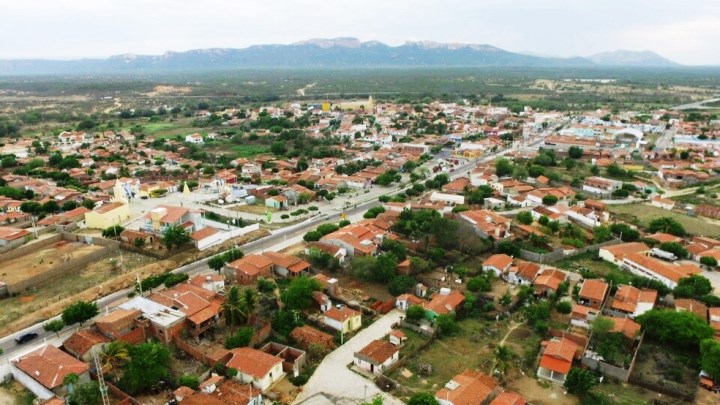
[82, 341]
[499, 261]
[378, 351]
[593, 289]
[49, 366]
[473, 388]
[252, 362]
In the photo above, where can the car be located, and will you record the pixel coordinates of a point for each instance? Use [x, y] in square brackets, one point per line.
[26, 337]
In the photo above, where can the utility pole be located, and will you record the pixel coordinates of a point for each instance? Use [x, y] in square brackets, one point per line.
[101, 379]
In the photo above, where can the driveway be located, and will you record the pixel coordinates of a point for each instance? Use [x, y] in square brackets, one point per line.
[334, 383]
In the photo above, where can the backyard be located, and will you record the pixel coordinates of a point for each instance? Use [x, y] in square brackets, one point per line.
[642, 214]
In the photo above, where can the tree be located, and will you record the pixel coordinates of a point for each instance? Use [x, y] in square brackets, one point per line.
[675, 248]
[149, 363]
[239, 305]
[575, 152]
[601, 325]
[298, 296]
[710, 357]
[709, 261]
[446, 325]
[71, 381]
[112, 232]
[625, 232]
[423, 398]
[89, 204]
[312, 236]
[377, 400]
[401, 284]
[524, 217]
[79, 311]
[216, 263]
[666, 225]
[374, 212]
[190, 381]
[175, 236]
[681, 329]
[479, 284]
[602, 234]
[54, 326]
[579, 381]
[242, 338]
[503, 167]
[284, 321]
[563, 307]
[113, 357]
[503, 358]
[509, 248]
[415, 313]
[695, 286]
[594, 170]
[549, 200]
[69, 205]
[86, 394]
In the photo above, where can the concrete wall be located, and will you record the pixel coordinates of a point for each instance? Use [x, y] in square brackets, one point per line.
[221, 237]
[28, 382]
[560, 254]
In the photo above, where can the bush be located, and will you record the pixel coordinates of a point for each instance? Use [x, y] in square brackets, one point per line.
[190, 381]
[265, 285]
[415, 313]
[175, 278]
[563, 307]
[312, 236]
[549, 200]
[479, 284]
[374, 212]
[401, 284]
[708, 261]
[242, 338]
[325, 229]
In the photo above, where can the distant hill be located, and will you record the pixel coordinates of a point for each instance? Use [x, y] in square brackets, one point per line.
[631, 58]
[323, 53]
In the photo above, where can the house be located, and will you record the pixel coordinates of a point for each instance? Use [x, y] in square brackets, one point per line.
[108, 215]
[626, 326]
[42, 371]
[162, 322]
[293, 359]
[248, 269]
[122, 324]
[210, 281]
[82, 343]
[444, 303]
[405, 301]
[667, 273]
[306, 336]
[377, 356]
[258, 368]
[277, 202]
[615, 254]
[498, 264]
[468, 388]
[549, 281]
[217, 390]
[509, 398]
[202, 308]
[288, 266]
[556, 359]
[601, 186]
[488, 223]
[322, 300]
[196, 139]
[664, 203]
[593, 293]
[693, 306]
[661, 237]
[163, 217]
[522, 274]
[360, 239]
[342, 319]
[12, 236]
[632, 301]
[582, 316]
[397, 337]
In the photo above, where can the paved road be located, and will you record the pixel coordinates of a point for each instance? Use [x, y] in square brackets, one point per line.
[279, 239]
[698, 105]
[334, 381]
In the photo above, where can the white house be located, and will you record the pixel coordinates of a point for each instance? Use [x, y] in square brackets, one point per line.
[498, 264]
[667, 273]
[258, 368]
[195, 138]
[377, 356]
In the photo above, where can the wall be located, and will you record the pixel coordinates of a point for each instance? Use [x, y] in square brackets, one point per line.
[28, 382]
[560, 254]
[61, 269]
[222, 236]
[613, 371]
[29, 248]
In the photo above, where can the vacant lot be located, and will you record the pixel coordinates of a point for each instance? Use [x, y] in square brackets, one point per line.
[668, 369]
[642, 214]
[42, 260]
[471, 348]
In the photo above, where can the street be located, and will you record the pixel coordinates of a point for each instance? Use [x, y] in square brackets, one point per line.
[334, 381]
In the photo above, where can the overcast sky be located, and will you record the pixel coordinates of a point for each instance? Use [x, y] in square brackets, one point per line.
[686, 31]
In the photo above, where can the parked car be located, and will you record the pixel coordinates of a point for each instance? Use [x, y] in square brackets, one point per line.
[26, 337]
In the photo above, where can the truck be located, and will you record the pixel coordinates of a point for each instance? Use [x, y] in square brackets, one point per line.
[662, 254]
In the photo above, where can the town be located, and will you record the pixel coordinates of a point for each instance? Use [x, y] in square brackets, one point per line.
[362, 250]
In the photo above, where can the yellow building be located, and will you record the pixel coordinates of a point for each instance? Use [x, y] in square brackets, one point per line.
[107, 215]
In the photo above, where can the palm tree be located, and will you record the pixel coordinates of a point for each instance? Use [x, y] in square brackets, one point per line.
[249, 303]
[71, 381]
[113, 357]
[503, 356]
[233, 307]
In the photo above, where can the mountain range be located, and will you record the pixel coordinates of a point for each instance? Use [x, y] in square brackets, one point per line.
[327, 53]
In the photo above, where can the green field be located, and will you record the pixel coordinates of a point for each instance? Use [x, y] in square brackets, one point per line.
[642, 214]
[247, 151]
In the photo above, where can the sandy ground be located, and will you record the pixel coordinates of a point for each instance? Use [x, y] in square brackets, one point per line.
[538, 395]
[42, 260]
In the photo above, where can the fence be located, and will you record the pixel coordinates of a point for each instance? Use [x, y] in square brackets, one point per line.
[560, 254]
[29, 248]
[222, 236]
[61, 269]
[197, 354]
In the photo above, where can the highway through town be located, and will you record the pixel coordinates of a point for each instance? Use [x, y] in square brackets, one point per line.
[699, 105]
[277, 240]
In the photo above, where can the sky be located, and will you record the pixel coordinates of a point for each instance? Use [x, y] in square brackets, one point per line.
[686, 31]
